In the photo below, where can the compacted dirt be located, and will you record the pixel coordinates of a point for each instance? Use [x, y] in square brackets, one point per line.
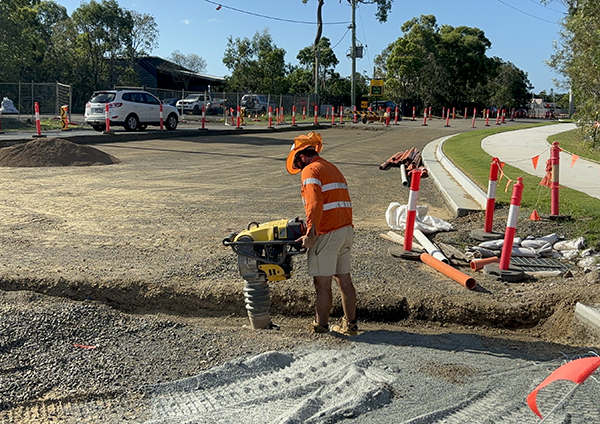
[114, 277]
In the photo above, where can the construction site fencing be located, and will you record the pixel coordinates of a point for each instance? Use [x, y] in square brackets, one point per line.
[227, 100]
[50, 96]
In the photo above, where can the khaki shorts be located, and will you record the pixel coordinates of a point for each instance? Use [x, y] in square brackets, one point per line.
[331, 253]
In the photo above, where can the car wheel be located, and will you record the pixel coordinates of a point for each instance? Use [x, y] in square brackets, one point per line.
[131, 123]
[365, 120]
[98, 128]
[171, 122]
[196, 110]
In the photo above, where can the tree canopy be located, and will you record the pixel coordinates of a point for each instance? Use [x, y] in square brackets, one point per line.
[440, 66]
[576, 56]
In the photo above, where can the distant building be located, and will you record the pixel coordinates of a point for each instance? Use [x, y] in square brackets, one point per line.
[155, 72]
[538, 108]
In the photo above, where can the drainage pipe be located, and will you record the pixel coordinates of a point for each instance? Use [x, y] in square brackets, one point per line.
[447, 270]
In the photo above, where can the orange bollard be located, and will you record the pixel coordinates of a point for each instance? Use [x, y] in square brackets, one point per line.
[447, 270]
[271, 117]
[161, 115]
[316, 115]
[477, 264]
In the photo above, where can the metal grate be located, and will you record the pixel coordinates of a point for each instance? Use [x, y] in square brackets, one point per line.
[540, 264]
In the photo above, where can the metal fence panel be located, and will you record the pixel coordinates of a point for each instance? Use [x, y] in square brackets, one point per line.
[50, 97]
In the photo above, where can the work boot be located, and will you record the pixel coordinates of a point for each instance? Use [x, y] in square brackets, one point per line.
[319, 329]
[348, 328]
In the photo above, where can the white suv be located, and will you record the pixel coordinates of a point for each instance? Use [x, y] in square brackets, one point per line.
[132, 109]
[192, 103]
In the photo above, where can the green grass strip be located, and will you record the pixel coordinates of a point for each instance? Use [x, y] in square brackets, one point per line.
[465, 151]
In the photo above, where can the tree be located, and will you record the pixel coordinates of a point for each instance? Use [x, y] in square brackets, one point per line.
[384, 7]
[184, 67]
[143, 36]
[25, 36]
[327, 60]
[104, 31]
[443, 66]
[576, 57]
[510, 85]
[256, 65]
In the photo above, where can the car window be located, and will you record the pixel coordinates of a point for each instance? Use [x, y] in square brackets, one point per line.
[151, 99]
[102, 97]
[127, 97]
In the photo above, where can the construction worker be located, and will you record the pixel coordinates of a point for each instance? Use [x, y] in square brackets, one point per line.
[330, 231]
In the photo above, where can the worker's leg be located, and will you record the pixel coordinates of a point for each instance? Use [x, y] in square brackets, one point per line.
[324, 300]
[344, 281]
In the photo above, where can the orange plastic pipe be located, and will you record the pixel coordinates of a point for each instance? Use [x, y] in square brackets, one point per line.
[477, 264]
[447, 270]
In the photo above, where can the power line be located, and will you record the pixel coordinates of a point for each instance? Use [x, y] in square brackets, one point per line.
[528, 14]
[546, 7]
[222, 6]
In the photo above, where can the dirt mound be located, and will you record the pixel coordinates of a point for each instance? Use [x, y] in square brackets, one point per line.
[45, 152]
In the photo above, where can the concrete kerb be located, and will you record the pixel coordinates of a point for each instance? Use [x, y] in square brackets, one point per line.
[460, 193]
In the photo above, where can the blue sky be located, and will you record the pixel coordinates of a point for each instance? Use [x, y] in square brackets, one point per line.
[521, 31]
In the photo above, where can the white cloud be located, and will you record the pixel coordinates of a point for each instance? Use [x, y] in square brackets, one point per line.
[186, 21]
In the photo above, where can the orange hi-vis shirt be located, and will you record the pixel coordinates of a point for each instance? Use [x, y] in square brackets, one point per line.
[325, 197]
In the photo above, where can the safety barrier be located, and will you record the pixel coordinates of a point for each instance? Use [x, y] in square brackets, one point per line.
[503, 269]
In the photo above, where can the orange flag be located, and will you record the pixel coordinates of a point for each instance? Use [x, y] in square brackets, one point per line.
[535, 161]
[576, 371]
[573, 160]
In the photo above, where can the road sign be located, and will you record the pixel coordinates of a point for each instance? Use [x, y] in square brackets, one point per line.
[376, 88]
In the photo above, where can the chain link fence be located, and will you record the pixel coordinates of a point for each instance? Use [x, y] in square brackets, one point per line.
[221, 101]
[50, 97]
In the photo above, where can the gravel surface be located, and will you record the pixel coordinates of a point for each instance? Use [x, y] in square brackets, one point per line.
[114, 277]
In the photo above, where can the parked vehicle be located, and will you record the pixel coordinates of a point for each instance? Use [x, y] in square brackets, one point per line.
[216, 106]
[132, 109]
[171, 101]
[256, 103]
[192, 103]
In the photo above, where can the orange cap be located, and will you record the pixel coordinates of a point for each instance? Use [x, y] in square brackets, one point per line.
[301, 142]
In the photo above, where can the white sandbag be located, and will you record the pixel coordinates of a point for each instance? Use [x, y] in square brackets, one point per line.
[570, 254]
[396, 219]
[588, 262]
[497, 244]
[482, 252]
[574, 244]
[524, 252]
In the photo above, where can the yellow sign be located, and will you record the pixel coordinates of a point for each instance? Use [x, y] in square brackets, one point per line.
[364, 104]
[376, 87]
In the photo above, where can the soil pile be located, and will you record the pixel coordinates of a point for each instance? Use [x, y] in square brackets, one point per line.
[46, 152]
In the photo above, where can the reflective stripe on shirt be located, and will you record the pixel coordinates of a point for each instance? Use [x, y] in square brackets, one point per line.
[312, 181]
[334, 186]
[335, 205]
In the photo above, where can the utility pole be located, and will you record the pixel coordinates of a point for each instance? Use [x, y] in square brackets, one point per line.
[353, 55]
[317, 39]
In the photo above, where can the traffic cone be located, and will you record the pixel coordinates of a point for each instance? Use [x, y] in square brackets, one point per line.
[534, 216]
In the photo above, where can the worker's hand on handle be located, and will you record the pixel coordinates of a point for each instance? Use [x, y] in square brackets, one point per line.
[309, 239]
